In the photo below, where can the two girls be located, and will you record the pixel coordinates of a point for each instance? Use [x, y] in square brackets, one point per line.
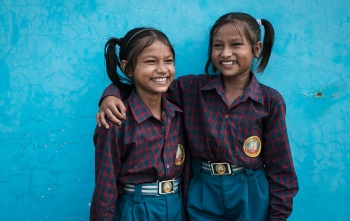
[236, 128]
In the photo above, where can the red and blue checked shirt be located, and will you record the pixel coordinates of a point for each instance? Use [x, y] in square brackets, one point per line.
[141, 150]
[217, 133]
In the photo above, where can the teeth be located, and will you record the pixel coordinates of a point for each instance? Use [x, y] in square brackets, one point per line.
[159, 79]
[228, 62]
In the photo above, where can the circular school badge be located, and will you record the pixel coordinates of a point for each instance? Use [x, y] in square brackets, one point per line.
[252, 146]
[167, 187]
[180, 155]
[220, 168]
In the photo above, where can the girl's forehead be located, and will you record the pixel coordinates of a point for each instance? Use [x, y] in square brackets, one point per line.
[158, 44]
[156, 48]
[228, 30]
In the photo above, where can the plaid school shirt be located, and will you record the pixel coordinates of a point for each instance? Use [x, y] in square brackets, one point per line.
[142, 150]
[251, 132]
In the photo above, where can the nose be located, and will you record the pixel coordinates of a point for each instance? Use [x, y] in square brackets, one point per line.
[226, 52]
[162, 68]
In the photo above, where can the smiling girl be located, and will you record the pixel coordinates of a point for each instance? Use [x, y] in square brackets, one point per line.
[137, 168]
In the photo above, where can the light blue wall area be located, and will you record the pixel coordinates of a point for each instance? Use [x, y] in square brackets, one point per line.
[52, 75]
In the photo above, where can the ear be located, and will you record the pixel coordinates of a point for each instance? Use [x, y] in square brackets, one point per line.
[123, 65]
[257, 49]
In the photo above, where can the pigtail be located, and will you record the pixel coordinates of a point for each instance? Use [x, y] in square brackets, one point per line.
[267, 45]
[112, 63]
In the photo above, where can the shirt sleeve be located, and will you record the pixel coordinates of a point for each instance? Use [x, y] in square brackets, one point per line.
[107, 166]
[111, 90]
[278, 162]
[175, 92]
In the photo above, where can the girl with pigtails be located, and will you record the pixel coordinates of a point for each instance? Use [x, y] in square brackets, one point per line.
[141, 165]
[235, 126]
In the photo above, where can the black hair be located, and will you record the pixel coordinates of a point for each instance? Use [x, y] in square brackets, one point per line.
[249, 27]
[131, 46]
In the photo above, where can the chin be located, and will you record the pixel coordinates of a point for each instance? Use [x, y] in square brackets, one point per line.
[228, 74]
[162, 90]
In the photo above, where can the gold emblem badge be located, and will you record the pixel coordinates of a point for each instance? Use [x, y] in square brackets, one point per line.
[180, 155]
[220, 168]
[252, 146]
[167, 187]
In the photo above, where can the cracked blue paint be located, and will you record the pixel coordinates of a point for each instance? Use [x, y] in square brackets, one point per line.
[52, 75]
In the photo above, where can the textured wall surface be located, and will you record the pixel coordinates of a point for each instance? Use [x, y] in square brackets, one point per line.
[52, 75]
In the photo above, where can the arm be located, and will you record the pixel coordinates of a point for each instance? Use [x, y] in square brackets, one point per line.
[112, 106]
[107, 165]
[278, 162]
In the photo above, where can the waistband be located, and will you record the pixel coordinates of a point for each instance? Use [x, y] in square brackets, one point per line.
[156, 188]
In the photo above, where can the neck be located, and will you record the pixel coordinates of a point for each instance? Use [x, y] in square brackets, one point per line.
[234, 87]
[153, 102]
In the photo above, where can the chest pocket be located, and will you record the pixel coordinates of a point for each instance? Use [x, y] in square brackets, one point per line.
[249, 139]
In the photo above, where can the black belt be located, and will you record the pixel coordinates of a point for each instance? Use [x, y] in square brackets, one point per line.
[223, 168]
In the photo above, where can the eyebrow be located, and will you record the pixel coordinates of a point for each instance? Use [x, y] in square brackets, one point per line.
[154, 56]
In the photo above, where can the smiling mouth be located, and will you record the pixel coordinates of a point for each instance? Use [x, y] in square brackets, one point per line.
[160, 80]
[228, 62]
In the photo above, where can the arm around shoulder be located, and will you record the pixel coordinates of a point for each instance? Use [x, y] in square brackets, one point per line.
[111, 106]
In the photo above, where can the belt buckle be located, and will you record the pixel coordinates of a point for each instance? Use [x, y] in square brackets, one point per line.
[166, 186]
[218, 169]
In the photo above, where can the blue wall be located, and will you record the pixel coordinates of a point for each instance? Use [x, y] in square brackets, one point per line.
[52, 75]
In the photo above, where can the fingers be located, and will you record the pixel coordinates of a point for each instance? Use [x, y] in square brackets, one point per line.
[113, 114]
[113, 108]
[98, 119]
[122, 109]
[101, 119]
[118, 110]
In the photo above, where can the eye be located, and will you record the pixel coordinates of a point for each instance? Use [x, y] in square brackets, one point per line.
[150, 61]
[169, 61]
[236, 44]
[217, 46]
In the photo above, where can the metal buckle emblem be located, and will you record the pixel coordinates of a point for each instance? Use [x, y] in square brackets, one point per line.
[220, 168]
[165, 187]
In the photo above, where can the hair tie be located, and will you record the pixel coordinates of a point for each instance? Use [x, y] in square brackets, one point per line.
[119, 41]
[259, 21]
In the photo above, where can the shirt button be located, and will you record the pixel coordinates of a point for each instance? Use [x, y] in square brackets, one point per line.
[167, 166]
[226, 115]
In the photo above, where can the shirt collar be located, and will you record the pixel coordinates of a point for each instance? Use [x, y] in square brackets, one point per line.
[141, 112]
[253, 90]
[214, 83]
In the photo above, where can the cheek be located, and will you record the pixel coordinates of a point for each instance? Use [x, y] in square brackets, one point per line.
[171, 69]
[215, 54]
[214, 58]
